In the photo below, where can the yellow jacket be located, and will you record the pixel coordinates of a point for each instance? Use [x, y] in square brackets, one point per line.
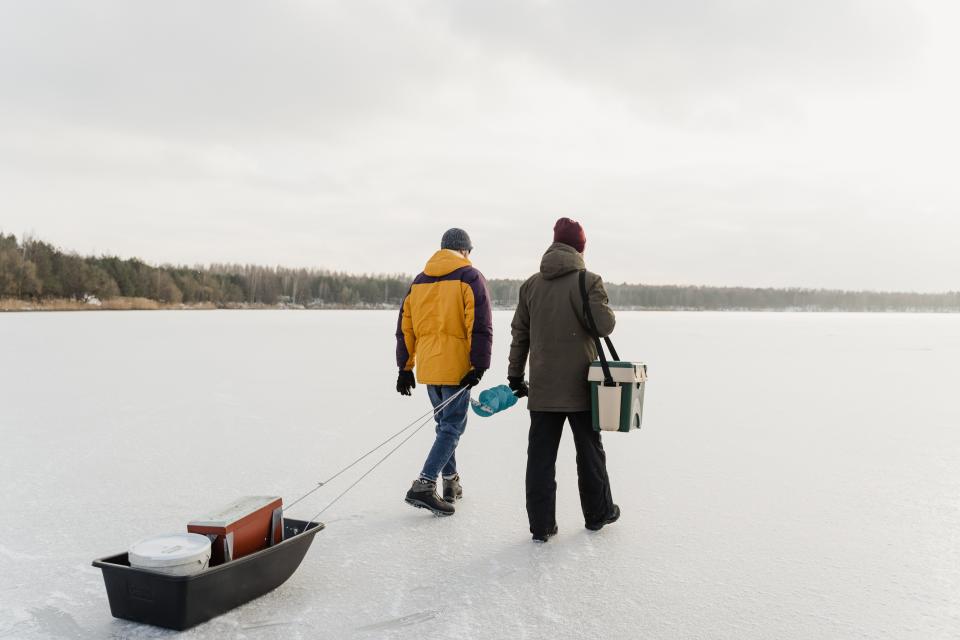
[445, 326]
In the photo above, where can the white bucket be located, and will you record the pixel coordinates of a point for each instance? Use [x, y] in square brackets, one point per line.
[173, 554]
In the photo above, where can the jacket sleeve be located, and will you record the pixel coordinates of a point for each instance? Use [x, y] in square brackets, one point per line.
[600, 307]
[520, 345]
[478, 317]
[406, 339]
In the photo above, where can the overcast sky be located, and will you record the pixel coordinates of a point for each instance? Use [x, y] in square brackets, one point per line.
[729, 142]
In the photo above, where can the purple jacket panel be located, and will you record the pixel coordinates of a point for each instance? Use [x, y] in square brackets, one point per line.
[481, 343]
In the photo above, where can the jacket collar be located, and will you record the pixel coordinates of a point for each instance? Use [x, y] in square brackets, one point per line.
[445, 261]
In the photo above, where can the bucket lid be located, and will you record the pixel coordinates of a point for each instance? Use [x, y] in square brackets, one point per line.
[169, 550]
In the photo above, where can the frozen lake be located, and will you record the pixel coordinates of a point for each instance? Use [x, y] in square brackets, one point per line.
[797, 476]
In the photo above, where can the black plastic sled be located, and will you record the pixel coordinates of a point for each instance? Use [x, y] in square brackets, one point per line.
[181, 602]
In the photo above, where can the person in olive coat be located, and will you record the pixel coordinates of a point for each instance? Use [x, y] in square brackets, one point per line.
[549, 327]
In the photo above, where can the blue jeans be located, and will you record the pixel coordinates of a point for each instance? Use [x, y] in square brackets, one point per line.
[451, 423]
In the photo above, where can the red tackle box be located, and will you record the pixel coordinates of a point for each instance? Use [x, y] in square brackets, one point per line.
[246, 525]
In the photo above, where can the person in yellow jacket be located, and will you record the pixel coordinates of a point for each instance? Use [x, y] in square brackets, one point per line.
[445, 331]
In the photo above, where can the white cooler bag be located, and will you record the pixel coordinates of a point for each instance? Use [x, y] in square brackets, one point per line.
[618, 407]
[616, 388]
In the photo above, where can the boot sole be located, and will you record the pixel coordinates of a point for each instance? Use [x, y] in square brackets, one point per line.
[449, 501]
[423, 505]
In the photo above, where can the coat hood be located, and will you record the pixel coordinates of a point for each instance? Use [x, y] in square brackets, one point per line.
[443, 262]
[559, 260]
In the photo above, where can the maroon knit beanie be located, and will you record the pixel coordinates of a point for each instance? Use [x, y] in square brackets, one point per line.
[570, 232]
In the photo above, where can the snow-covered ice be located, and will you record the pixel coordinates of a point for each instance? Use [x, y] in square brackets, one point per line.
[797, 476]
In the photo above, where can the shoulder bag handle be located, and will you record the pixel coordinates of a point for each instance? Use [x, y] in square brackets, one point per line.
[595, 334]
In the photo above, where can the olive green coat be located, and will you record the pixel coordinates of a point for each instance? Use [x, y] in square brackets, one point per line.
[549, 326]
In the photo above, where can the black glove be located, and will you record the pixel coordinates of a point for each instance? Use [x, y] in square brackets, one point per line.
[518, 386]
[405, 382]
[472, 378]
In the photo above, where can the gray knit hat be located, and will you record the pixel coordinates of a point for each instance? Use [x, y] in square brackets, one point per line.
[456, 239]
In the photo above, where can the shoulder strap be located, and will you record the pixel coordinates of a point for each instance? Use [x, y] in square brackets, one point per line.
[589, 313]
[595, 334]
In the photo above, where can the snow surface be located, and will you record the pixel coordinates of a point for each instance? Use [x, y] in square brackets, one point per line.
[797, 476]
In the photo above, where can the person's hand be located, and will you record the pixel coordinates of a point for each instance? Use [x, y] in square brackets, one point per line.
[518, 386]
[405, 382]
[472, 378]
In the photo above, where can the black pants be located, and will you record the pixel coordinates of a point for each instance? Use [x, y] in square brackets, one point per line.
[546, 427]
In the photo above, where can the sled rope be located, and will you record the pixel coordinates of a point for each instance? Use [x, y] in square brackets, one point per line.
[422, 421]
[369, 471]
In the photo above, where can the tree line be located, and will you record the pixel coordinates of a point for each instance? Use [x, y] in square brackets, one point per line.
[34, 270]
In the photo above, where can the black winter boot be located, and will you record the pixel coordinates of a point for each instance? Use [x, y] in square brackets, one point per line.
[452, 491]
[613, 517]
[543, 537]
[423, 494]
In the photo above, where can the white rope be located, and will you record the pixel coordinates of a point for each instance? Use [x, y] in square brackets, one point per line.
[422, 421]
[357, 481]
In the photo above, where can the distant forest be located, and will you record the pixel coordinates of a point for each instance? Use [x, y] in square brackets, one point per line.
[37, 271]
